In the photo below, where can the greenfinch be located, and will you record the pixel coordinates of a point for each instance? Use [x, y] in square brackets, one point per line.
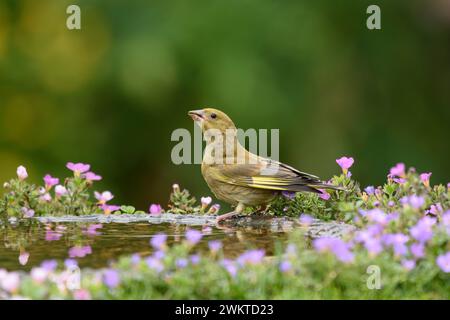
[240, 177]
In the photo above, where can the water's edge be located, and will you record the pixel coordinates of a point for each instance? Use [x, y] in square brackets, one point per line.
[317, 228]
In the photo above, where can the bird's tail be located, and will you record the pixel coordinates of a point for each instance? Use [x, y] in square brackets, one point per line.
[327, 186]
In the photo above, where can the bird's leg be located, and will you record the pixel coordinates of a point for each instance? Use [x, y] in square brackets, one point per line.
[239, 208]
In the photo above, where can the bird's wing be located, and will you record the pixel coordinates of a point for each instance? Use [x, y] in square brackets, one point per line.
[267, 174]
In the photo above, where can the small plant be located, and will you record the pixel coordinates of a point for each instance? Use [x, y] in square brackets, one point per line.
[70, 196]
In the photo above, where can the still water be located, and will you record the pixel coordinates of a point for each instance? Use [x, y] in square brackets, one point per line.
[27, 244]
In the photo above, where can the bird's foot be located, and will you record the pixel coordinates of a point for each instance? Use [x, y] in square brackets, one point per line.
[226, 216]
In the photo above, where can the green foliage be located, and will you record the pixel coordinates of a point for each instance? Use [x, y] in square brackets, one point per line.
[21, 195]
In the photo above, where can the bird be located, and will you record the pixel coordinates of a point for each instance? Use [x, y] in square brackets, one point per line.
[239, 177]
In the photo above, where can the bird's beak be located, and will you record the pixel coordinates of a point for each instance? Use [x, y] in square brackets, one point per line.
[196, 115]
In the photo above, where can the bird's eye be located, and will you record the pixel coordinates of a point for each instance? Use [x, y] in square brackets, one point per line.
[213, 115]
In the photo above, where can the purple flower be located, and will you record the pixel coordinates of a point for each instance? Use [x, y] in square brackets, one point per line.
[435, 209]
[23, 258]
[22, 173]
[418, 250]
[181, 263]
[27, 213]
[158, 241]
[423, 231]
[51, 235]
[155, 264]
[195, 259]
[337, 246]
[135, 259]
[79, 251]
[446, 220]
[103, 197]
[60, 190]
[373, 246]
[398, 170]
[408, 264]
[78, 168]
[230, 266]
[91, 176]
[111, 278]
[251, 257]
[414, 201]
[324, 194]
[443, 262]
[49, 265]
[377, 216]
[370, 190]
[306, 220]
[288, 194]
[50, 181]
[193, 236]
[425, 178]
[71, 263]
[345, 163]
[155, 209]
[214, 246]
[285, 266]
[398, 242]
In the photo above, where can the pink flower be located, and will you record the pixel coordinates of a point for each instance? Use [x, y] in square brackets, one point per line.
[10, 282]
[103, 197]
[345, 163]
[79, 251]
[50, 181]
[91, 176]
[60, 190]
[425, 178]
[155, 209]
[78, 168]
[206, 201]
[91, 230]
[23, 258]
[214, 208]
[38, 274]
[46, 197]
[324, 194]
[398, 170]
[81, 294]
[22, 173]
[107, 209]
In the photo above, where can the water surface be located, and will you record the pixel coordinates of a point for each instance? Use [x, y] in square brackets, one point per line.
[112, 240]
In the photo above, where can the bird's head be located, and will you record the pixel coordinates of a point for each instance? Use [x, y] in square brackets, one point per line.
[210, 118]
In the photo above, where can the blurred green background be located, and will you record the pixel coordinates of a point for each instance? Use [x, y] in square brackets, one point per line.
[112, 93]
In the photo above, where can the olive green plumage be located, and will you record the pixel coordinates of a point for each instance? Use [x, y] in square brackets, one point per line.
[238, 176]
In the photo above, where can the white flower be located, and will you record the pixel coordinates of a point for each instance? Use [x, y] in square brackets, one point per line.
[22, 173]
[60, 190]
